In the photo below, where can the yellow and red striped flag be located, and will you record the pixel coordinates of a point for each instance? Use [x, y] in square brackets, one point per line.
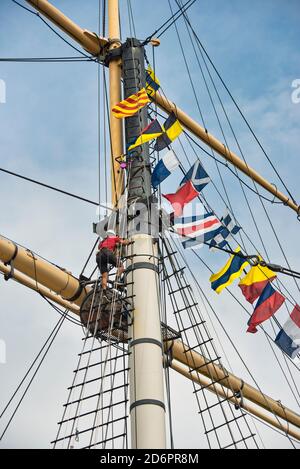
[128, 107]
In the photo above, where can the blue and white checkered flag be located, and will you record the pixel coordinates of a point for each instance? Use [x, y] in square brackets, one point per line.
[229, 228]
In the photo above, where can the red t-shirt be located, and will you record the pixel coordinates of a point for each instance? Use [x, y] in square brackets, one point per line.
[109, 243]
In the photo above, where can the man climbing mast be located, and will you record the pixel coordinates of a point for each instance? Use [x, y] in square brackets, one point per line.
[107, 255]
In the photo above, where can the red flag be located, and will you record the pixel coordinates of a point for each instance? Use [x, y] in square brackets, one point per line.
[295, 316]
[183, 196]
[254, 283]
[268, 303]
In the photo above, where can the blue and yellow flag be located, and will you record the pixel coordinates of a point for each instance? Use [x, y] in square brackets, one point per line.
[232, 270]
[152, 131]
[172, 130]
[152, 82]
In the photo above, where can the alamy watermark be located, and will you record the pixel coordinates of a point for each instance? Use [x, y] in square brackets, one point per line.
[2, 91]
[2, 352]
[296, 92]
[152, 219]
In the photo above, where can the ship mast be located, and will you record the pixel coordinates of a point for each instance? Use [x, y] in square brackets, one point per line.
[147, 408]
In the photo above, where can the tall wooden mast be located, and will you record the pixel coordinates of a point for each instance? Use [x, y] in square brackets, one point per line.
[117, 179]
[147, 406]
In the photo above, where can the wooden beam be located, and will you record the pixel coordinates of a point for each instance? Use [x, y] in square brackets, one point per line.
[115, 96]
[33, 285]
[56, 279]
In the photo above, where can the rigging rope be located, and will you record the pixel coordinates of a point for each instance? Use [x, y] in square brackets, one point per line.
[204, 345]
[99, 117]
[224, 136]
[173, 19]
[254, 258]
[236, 175]
[47, 186]
[232, 253]
[47, 345]
[67, 408]
[222, 325]
[254, 184]
[234, 100]
[235, 168]
[96, 427]
[44, 59]
[283, 354]
[131, 19]
[242, 306]
[37, 14]
[279, 288]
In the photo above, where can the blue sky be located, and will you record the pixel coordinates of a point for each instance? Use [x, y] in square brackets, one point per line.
[48, 130]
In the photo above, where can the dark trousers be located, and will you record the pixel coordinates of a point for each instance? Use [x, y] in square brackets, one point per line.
[104, 258]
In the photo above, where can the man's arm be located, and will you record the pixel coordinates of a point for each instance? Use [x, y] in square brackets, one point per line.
[124, 242]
